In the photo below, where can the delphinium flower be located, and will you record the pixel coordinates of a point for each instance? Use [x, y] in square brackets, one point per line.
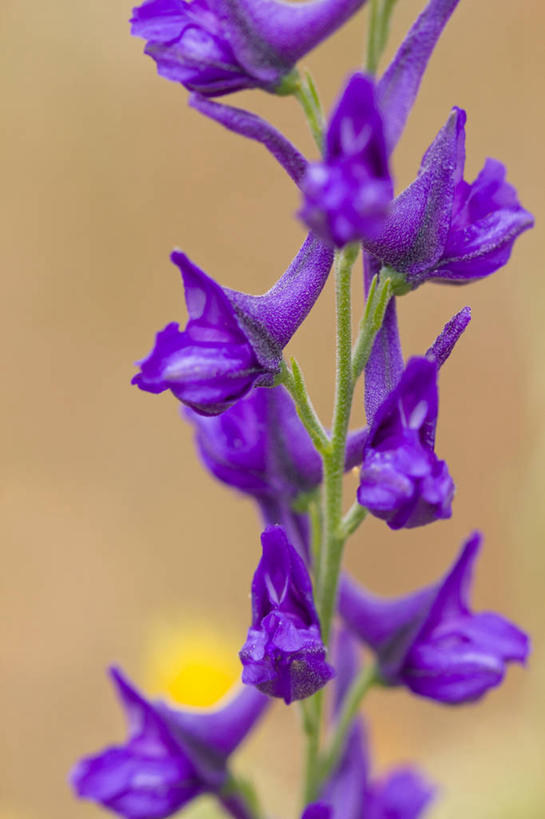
[431, 641]
[283, 655]
[220, 46]
[442, 228]
[402, 480]
[232, 341]
[171, 756]
[348, 794]
[349, 791]
[260, 447]
[348, 194]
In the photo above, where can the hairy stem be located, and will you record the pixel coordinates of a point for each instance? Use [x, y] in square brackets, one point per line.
[353, 518]
[334, 459]
[294, 383]
[380, 13]
[378, 299]
[305, 92]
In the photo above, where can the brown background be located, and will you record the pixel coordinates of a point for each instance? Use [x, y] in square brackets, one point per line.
[108, 521]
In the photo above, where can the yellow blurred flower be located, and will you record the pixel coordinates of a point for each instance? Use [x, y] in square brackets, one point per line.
[193, 664]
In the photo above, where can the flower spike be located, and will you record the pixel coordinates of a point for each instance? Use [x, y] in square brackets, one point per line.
[216, 47]
[431, 641]
[232, 341]
[170, 757]
[284, 655]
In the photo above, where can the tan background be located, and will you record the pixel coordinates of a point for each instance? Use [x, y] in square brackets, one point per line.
[108, 521]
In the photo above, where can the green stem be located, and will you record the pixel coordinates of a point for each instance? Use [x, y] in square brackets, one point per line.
[334, 459]
[305, 92]
[380, 14]
[294, 383]
[316, 534]
[378, 299]
[239, 798]
[312, 723]
[373, 26]
[351, 521]
[384, 29]
[364, 681]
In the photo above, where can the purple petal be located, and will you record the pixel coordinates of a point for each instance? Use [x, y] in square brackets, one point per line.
[253, 127]
[487, 220]
[445, 342]
[286, 305]
[403, 794]
[377, 620]
[417, 228]
[225, 728]
[190, 46]
[398, 87]
[345, 789]
[347, 665]
[270, 36]
[318, 811]
[385, 364]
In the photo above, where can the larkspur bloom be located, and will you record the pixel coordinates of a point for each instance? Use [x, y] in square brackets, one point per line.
[284, 655]
[430, 641]
[402, 480]
[232, 341]
[171, 756]
[260, 447]
[350, 792]
[216, 47]
[401, 794]
[441, 228]
[348, 194]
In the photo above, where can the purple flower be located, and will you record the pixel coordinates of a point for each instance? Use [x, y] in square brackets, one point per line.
[284, 655]
[219, 46]
[442, 228]
[402, 480]
[431, 641]
[232, 341]
[401, 794]
[350, 793]
[170, 756]
[348, 195]
[260, 446]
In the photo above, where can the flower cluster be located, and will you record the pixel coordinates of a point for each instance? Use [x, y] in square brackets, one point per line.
[256, 429]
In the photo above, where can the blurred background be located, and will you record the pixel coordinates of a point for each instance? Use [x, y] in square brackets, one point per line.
[117, 546]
